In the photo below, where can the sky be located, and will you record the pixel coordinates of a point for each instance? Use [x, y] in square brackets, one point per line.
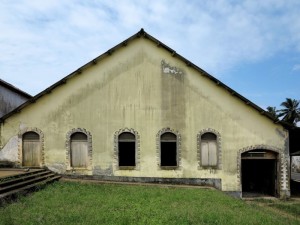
[252, 46]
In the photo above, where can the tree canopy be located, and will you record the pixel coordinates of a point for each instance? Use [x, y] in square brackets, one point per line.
[289, 113]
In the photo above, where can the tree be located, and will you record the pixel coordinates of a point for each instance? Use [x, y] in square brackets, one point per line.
[272, 111]
[290, 111]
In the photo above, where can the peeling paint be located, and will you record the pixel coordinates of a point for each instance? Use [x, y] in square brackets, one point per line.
[106, 172]
[58, 167]
[281, 133]
[10, 150]
[167, 69]
[296, 164]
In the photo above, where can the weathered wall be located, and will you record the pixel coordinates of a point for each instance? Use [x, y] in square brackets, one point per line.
[296, 164]
[142, 87]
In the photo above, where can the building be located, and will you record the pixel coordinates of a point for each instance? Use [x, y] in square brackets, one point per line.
[10, 97]
[141, 112]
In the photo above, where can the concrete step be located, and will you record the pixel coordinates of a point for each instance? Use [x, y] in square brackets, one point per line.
[13, 186]
[33, 180]
[26, 176]
[31, 187]
[19, 174]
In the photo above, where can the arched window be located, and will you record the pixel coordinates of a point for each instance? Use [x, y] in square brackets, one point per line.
[79, 150]
[209, 150]
[168, 149]
[31, 149]
[126, 150]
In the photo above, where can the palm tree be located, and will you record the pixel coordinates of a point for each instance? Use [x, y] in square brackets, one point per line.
[290, 111]
[272, 111]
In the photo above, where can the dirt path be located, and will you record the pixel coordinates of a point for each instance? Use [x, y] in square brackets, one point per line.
[267, 206]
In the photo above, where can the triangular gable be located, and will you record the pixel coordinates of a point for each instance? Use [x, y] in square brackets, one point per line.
[141, 34]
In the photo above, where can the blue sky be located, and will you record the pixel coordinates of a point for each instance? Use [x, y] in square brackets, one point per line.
[253, 46]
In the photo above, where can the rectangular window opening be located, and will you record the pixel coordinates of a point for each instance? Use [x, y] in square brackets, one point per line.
[168, 153]
[127, 154]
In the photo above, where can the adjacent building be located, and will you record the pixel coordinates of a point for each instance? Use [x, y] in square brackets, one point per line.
[10, 97]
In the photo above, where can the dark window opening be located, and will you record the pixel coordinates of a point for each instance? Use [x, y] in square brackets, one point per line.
[126, 154]
[78, 136]
[126, 150]
[168, 150]
[31, 136]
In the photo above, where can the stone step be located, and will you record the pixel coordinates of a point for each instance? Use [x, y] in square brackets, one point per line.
[27, 188]
[13, 186]
[22, 173]
[21, 184]
[26, 176]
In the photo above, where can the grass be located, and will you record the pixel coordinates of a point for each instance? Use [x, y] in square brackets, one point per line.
[75, 203]
[291, 207]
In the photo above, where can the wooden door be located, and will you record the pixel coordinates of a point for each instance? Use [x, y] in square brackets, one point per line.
[31, 149]
[79, 150]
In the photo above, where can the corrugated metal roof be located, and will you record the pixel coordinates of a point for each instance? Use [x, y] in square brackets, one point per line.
[14, 89]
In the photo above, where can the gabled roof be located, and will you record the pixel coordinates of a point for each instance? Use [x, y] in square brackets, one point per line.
[14, 89]
[143, 34]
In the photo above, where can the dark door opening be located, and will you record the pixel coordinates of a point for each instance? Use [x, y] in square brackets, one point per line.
[259, 176]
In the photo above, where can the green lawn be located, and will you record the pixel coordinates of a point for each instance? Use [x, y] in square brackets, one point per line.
[75, 203]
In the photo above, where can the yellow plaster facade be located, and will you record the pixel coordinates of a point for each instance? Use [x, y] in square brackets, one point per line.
[143, 88]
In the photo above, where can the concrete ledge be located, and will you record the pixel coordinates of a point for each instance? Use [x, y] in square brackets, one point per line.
[216, 183]
[7, 164]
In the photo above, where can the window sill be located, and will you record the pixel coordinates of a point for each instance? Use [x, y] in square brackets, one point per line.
[127, 167]
[78, 169]
[169, 167]
[209, 167]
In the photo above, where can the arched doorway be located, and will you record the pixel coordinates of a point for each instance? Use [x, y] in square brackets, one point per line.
[31, 150]
[259, 173]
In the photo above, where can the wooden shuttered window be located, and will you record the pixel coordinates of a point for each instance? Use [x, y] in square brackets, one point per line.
[31, 149]
[209, 150]
[79, 150]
